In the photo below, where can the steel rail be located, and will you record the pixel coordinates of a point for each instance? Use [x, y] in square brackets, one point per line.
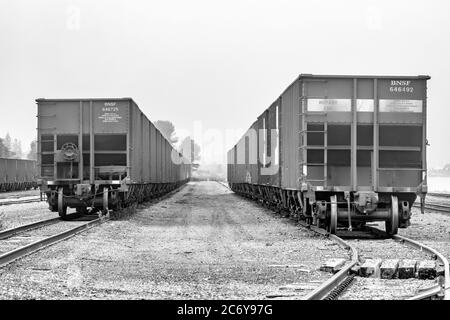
[439, 205]
[32, 247]
[435, 207]
[328, 286]
[439, 195]
[445, 286]
[224, 184]
[13, 231]
[7, 203]
[322, 292]
[428, 293]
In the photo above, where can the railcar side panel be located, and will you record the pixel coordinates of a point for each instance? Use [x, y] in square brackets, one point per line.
[17, 174]
[153, 153]
[252, 148]
[241, 161]
[290, 132]
[3, 172]
[158, 158]
[146, 151]
[164, 160]
[268, 145]
[12, 170]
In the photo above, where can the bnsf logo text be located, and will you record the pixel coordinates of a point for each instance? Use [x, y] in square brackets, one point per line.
[400, 83]
[403, 86]
[110, 104]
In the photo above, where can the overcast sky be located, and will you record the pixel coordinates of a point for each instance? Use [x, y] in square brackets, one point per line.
[218, 62]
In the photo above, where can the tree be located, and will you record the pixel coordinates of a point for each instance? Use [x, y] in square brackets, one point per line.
[167, 129]
[3, 150]
[17, 149]
[190, 150]
[32, 155]
[8, 145]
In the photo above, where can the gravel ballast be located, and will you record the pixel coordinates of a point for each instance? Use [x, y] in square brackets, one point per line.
[202, 242]
[431, 228]
[19, 194]
[14, 215]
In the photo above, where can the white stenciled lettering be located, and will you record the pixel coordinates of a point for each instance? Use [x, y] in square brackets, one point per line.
[110, 117]
[400, 82]
[400, 86]
[397, 105]
[110, 109]
[402, 89]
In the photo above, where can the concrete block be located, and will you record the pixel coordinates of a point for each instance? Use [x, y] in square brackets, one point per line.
[440, 271]
[333, 265]
[427, 269]
[355, 269]
[407, 269]
[370, 268]
[388, 268]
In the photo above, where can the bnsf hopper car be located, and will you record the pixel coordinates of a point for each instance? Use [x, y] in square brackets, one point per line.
[338, 151]
[17, 174]
[100, 154]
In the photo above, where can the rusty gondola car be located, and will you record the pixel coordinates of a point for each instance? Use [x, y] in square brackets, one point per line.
[101, 154]
[17, 174]
[338, 151]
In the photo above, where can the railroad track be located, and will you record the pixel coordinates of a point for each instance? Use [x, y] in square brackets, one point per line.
[328, 289]
[437, 206]
[433, 206]
[334, 286]
[18, 242]
[439, 195]
[20, 201]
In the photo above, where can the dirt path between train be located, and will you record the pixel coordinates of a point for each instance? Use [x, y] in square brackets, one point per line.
[204, 242]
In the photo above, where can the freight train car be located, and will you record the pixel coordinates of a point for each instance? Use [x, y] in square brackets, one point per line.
[338, 151]
[100, 154]
[17, 174]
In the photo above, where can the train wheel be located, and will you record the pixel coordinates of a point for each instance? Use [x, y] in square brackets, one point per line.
[119, 206]
[392, 223]
[333, 215]
[105, 200]
[116, 201]
[82, 211]
[62, 209]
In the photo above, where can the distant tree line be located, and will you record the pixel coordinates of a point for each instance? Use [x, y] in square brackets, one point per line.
[12, 148]
[188, 147]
